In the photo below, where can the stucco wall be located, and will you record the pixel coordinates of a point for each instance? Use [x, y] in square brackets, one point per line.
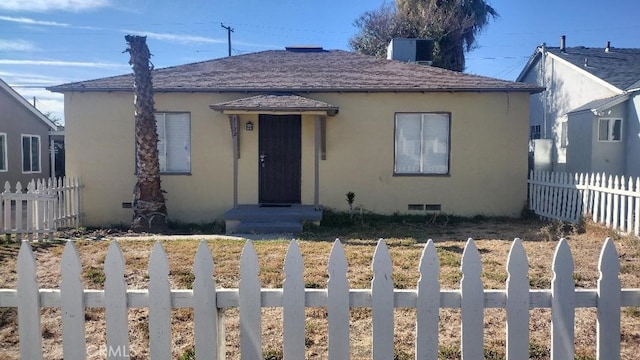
[488, 157]
[15, 121]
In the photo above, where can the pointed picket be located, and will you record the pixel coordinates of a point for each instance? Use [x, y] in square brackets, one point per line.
[609, 303]
[249, 304]
[28, 305]
[159, 304]
[72, 304]
[428, 304]
[517, 306]
[205, 311]
[382, 303]
[338, 304]
[293, 304]
[562, 304]
[115, 299]
[472, 303]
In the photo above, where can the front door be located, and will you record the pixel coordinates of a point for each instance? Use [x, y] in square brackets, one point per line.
[279, 163]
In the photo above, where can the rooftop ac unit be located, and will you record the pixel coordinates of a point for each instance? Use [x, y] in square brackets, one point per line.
[411, 50]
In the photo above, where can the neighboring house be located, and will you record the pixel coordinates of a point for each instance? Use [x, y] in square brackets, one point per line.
[24, 139]
[587, 119]
[305, 126]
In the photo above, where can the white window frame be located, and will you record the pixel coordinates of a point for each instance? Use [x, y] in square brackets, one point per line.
[163, 146]
[3, 153]
[610, 128]
[535, 132]
[30, 169]
[404, 151]
[564, 134]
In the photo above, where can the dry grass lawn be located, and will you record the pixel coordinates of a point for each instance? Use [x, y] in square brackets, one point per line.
[493, 239]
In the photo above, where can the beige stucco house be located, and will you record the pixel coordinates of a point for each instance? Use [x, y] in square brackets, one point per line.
[24, 140]
[299, 128]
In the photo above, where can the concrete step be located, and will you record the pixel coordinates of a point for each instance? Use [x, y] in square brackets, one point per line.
[253, 227]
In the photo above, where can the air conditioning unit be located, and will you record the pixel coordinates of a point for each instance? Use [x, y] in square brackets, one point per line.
[411, 50]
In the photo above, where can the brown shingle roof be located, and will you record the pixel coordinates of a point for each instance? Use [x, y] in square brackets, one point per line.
[291, 71]
[276, 102]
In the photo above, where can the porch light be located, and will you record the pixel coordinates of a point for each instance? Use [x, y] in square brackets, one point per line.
[249, 126]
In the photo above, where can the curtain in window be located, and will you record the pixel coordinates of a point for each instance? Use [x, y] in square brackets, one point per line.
[422, 144]
[174, 141]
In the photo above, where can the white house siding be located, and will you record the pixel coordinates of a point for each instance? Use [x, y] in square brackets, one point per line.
[567, 88]
[581, 143]
[632, 136]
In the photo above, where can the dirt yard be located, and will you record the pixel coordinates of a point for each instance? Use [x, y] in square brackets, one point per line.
[493, 239]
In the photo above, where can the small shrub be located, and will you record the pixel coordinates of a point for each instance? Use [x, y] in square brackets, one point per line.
[273, 355]
[538, 352]
[189, 354]
[95, 275]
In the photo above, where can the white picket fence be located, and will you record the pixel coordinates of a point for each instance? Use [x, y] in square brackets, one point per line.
[45, 206]
[207, 301]
[609, 200]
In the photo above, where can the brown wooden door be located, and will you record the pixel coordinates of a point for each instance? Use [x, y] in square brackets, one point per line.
[279, 161]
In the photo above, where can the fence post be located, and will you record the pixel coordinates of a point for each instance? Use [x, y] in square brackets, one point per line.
[562, 304]
[472, 303]
[249, 304]
[293, 304]
[28, 305]
[382, 303]
[428, 304]
[338, 303]
[159, 305]
[205, 310]
[72, 305]
[609, 302]
[517, 303]
[115, 297]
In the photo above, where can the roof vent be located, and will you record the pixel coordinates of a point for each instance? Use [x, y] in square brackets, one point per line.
[563, 43]
[608, 48]
[411, 50]
[304, 48]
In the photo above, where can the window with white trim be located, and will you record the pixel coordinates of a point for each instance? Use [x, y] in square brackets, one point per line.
[174, 142]
[3, 152]
[422, 143]
[609, 129]
[564, 134]
[30, 153]
[535, 132]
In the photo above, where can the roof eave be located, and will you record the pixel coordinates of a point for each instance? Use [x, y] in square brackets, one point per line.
[27, 105]
[530, 63]
[529, 89]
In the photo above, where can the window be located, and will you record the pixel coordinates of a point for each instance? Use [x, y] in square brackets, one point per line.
[3, 152]
[174, 142]
[609, 129]
[422, 143]
[535, 132]
[30, 154]
[564, 135]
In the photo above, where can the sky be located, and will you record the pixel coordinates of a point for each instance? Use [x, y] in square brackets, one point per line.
[51, 42]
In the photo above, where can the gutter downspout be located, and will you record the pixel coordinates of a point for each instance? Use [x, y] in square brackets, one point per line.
[544, 84]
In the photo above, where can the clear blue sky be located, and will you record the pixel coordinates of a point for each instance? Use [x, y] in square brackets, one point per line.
[49, 42]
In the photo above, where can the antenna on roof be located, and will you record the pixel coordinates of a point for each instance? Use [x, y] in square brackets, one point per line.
[229, 31]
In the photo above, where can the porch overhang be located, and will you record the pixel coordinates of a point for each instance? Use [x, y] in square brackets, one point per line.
[280, 104]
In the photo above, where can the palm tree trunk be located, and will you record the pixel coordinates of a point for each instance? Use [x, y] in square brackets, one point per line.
[149, 208]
